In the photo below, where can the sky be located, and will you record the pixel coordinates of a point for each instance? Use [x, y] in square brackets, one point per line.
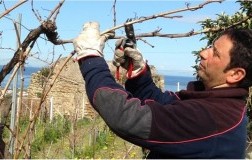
[169, 55]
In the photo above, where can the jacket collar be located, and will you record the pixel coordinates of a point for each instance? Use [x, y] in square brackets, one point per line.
[196, 89]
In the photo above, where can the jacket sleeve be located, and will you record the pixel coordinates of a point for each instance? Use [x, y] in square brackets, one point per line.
[123, 113]
[144, 88]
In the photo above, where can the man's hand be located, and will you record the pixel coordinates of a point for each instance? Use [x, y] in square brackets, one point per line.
[129, 58]
[119, 57]
[90, 42]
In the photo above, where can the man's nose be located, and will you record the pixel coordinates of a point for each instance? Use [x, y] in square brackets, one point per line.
[204, 53]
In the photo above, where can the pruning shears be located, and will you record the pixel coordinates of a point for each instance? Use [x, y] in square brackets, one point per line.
[130, 42]
[131, 39]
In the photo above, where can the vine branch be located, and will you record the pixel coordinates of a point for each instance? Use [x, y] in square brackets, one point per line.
[15, 6]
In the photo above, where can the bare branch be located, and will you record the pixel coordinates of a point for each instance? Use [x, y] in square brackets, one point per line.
[171, 17]
[8, 49]
[145, 42]
[114, 11]
[157, 34]
[15, 6]
[36, 13]
[2, 2]
[18, 37]
[187, 34]
[32, 36]
[47, 28]
[17, 23]
[24, 55]
[56, 11]
[140, 20]
[38, 58]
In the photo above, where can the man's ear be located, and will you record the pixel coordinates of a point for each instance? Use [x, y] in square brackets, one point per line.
[235, 75]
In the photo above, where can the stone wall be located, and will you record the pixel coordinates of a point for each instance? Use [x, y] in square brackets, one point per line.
[68, 95]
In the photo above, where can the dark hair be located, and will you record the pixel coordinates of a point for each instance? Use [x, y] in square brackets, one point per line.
[241, 53]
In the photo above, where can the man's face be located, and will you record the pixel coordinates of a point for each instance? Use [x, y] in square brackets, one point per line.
[213, 62]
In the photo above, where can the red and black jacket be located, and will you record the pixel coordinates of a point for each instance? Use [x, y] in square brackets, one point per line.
[188, 124]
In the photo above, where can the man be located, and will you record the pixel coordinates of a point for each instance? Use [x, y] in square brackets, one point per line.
[206, 121]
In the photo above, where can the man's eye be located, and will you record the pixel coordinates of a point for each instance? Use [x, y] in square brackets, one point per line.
[209, 46]
[215, 52]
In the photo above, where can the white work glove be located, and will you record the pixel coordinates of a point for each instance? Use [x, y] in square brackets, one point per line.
[90, 42]
[129, 58]
[119, 57]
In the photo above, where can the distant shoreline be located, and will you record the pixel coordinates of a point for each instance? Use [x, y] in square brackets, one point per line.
[175, 83]
[181, 73]
[171, 78]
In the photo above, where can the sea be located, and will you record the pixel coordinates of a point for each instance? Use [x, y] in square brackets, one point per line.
[172, 82]
[26, 76]
[176, 83]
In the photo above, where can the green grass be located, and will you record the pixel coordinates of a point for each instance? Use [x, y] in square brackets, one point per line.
[83, 139]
